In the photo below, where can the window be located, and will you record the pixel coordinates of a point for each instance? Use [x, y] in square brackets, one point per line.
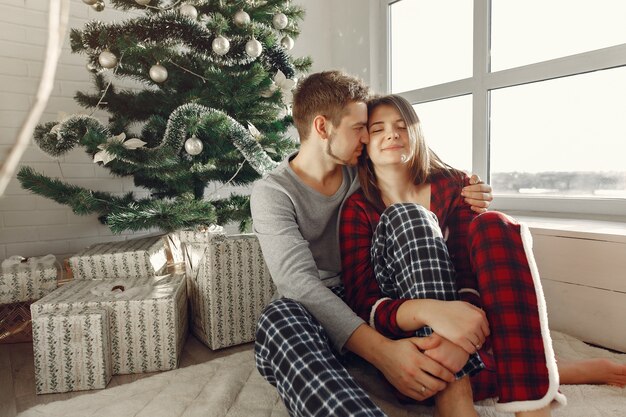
[561, 137]
[447, 127]
[529, 31]
[542, 109]
[417, 62]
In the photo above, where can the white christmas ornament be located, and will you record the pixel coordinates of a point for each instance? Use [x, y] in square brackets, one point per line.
[158, 73]
[189, 11]
[142, 2]
[254, 48]
[282, 83]
[220, 45]
[107, 59]
[55, 129]
[99, 6]
[287, 42]
[91, 67]
[280, 21]
[90, 2]
[241, 18]
[193, 146]
[105, 157]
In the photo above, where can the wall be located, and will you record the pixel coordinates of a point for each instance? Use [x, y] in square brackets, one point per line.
[31, 225]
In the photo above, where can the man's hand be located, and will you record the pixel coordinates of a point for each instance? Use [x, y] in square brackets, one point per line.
[402, 361]
[478, 194]
[412, 372]
[449, 355]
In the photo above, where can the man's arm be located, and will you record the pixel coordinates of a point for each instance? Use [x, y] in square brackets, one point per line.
[292, 265]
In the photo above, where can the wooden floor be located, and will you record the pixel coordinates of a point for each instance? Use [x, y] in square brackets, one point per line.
[17, 377]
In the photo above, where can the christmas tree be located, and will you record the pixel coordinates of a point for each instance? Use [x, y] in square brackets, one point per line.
[218, 83]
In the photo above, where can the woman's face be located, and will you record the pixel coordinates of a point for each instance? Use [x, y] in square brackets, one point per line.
[389, 138]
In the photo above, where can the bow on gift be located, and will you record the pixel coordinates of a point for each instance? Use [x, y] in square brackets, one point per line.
[28, 263]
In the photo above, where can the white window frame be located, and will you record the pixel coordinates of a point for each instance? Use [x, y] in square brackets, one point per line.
[479, 86]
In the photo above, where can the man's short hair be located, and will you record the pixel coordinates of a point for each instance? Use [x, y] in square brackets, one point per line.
[325, 93]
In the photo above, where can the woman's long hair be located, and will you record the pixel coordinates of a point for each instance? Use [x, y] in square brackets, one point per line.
[423, 162]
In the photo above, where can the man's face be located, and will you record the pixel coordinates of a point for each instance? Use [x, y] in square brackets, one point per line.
[345, 142]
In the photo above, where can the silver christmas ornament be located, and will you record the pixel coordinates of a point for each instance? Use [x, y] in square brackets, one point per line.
[90, 2]
[254, 48]
[99, 6]
[91, 67]
[189, 11]
[280, 21]
[241, 18]
[220, 45]
[158, 73]
[193, 146]
[142, 2]
[287, 42]
[107, 59]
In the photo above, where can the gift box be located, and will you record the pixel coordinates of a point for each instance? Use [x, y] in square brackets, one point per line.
[228, 285]
[27, 279]
[124, 259]
[71, 351]
[147, 317]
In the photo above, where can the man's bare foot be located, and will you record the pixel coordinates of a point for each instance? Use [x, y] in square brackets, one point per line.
[592, 371]
[456, 400]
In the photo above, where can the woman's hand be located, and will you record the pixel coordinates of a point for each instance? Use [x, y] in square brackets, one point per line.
[478, 194]
[461, 323]
[449, 355]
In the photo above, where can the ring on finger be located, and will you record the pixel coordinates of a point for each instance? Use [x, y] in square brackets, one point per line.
[423, 389]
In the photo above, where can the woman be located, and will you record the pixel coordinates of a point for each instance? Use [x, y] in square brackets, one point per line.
[402, 277]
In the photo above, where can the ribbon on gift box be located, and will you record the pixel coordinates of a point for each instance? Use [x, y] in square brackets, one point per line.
[28, 263]
[125, 289]
[21, 264]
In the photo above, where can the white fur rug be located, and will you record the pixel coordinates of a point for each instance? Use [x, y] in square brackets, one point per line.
[230, 386]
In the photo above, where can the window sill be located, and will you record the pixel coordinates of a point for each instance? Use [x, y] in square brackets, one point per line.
[603, 230]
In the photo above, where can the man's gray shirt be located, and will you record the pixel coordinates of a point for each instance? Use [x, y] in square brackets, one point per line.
[298, 231]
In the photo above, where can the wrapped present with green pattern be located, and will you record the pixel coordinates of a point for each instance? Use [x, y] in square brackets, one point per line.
[71, 351]
[122, 259]
[27, 279]
[147, 318]
[228, 284]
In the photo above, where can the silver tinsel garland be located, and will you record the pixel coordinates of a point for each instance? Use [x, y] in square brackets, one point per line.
[66, 136]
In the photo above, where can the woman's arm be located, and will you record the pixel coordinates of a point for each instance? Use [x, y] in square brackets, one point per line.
[362, 292]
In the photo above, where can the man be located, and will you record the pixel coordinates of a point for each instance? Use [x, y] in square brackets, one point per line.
[295, 211]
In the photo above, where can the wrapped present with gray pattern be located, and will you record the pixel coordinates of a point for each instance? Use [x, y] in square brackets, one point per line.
[71, 351]
[147, 317]
[228, 284]
[27, 279]
[123, 259]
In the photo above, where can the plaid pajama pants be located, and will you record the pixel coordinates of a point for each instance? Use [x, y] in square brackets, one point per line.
[293, 353]
[410, 260]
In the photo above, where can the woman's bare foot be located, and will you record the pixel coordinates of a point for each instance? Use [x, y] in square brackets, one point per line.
[456, 400]
[592, 371]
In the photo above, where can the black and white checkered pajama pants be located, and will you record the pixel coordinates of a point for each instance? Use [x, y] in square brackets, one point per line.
[293, 353]
[411, 260]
